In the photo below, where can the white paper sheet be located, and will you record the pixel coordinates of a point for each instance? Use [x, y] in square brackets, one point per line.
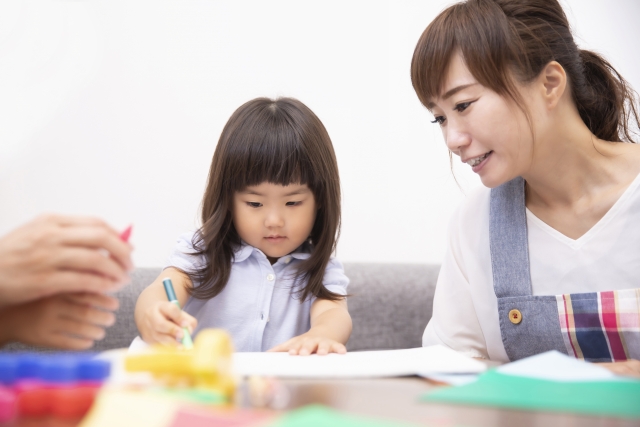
[555, 366]
[357, 364]
[452, 379]
[137, 345]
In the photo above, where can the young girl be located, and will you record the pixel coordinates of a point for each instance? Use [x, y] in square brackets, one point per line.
[260, 266]
[549, 258]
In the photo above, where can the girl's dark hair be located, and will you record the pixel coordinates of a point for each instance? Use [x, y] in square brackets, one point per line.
[499, 39]
[278, 141]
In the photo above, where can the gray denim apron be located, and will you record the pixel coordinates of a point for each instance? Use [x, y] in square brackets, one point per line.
[533, 324]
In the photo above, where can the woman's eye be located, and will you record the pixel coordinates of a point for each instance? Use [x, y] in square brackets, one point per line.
[254, 204]
[439, 120]
[462, 106]
[293, 203]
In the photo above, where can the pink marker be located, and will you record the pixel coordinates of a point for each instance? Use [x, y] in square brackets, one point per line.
[126, 233]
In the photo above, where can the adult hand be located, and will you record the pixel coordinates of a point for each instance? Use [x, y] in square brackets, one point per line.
[629, 368]
[67, 321]
[61, 254]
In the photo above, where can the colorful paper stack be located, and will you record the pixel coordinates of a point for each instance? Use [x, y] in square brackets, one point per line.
[60, 385]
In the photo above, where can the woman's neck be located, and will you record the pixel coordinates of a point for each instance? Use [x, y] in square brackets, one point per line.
[571, 165]
[575, 178]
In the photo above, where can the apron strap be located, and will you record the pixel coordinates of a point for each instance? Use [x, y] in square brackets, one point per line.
[509, 244]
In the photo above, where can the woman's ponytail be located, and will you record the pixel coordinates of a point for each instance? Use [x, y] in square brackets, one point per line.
[605, 100]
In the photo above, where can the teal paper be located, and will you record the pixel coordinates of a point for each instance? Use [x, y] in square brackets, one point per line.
[605, 398]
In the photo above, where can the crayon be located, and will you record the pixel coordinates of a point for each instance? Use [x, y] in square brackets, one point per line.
[171, 295]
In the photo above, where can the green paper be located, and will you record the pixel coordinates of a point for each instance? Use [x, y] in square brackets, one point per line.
[321, 416]
[606, 398]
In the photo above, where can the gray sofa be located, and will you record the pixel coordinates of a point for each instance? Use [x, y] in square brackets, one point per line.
[390, 305]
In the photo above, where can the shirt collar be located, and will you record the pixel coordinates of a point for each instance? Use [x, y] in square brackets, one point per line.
[243, 252]
[302, 252]
[300, 255]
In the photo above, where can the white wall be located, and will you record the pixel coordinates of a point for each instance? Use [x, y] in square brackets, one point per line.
[113, 108]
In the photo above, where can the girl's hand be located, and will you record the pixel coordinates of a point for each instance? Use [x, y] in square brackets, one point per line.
[330, 322]
[310, 343]
[66, 321]
[163, 321]
[629, 368]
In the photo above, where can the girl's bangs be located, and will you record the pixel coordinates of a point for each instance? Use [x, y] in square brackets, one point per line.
[270, 150]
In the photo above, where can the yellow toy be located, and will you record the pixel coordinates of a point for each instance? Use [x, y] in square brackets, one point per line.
[207, 366]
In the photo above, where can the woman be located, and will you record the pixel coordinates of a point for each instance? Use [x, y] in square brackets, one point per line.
[548, 256]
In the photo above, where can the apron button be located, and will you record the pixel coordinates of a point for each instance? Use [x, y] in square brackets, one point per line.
[515, 316]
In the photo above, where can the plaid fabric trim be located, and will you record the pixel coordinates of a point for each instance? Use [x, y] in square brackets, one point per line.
[601, 326]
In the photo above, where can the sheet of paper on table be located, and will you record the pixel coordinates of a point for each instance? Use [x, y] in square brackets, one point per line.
[357, 364]
[555, 366]
[551, 366]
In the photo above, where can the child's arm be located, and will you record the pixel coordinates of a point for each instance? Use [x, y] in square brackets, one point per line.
[71, 321]
[158, 320]
[330, 330]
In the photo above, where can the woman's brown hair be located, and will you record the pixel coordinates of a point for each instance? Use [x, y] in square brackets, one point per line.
[281, 142]
[499, 39]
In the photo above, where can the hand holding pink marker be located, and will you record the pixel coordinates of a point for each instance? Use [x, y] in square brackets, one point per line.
[124, 236]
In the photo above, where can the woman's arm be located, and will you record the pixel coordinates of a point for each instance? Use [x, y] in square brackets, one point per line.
[464, 290]
[330, 329]
[159, 320]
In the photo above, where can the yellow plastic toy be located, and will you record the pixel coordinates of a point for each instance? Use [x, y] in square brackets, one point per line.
[207, 366]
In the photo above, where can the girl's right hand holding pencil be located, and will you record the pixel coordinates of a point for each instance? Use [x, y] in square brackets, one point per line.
[159, 320]
[162, 322]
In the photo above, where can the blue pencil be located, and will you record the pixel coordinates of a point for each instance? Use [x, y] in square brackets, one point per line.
[171, 295]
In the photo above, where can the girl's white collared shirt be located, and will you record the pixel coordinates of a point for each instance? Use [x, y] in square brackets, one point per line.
[259, 306]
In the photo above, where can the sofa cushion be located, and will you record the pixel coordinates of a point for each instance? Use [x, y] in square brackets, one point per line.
[390, 305]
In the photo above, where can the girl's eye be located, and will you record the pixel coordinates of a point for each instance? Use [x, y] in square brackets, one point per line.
[439, 120]
[254, 204]
[293, 203]
[462, 106]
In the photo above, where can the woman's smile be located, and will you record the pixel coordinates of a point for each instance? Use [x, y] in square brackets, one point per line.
[477, 163]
